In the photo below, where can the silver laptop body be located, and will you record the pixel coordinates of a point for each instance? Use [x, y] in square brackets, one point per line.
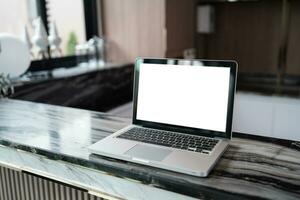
[182, 115]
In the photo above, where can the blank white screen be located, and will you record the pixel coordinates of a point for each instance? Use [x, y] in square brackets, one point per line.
[191, 96]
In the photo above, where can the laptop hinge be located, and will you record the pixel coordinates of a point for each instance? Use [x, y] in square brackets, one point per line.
[221, 138]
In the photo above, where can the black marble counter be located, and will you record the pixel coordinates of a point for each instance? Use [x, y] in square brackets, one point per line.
[98, 89]
[249, 169]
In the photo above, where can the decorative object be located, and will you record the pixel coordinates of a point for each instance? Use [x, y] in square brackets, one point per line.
[72, 42]
[14, 55]
[189, 53]
[82, 54]
[6, 88]
[40, 38]
[96, 51]
[54, 41]
[26, 39]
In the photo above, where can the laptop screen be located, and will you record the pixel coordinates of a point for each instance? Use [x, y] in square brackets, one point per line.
[184, 95]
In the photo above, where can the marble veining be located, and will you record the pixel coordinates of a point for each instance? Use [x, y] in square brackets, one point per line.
[98, 89]
[249, 168]
[56, 129]
[82, 177]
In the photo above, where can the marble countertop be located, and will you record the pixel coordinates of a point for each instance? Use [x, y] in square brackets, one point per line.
[62, 72]
[52, 141]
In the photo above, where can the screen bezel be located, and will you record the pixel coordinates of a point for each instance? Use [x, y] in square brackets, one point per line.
[188, 130]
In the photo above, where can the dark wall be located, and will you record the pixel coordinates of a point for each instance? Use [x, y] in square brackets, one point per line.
[293, 52]
[247, 32]
[180, 25]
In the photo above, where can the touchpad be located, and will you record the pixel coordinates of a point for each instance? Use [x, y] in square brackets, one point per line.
[148, 152]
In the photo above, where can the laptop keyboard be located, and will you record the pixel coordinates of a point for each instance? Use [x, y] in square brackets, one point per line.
[171, 139]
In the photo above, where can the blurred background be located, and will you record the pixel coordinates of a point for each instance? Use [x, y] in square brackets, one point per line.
[88, 49]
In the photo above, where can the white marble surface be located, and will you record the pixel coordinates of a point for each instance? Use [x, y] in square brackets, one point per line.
[96, 182]
[54, 142]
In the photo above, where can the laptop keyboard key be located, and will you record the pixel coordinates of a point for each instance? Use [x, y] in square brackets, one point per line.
[196, 144]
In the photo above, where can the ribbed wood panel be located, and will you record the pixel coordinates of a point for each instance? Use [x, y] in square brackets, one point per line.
[15, 185]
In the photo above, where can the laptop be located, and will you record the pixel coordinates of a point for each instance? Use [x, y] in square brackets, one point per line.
[182, 115]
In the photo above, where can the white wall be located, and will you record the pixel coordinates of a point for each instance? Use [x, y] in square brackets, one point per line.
[257, 114]
[68, 15]
[13, 16]
[272, 116]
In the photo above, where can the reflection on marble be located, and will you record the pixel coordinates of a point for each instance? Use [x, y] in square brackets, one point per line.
[249, 168]
[98, 90]
[97, 183]
[57, 129]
